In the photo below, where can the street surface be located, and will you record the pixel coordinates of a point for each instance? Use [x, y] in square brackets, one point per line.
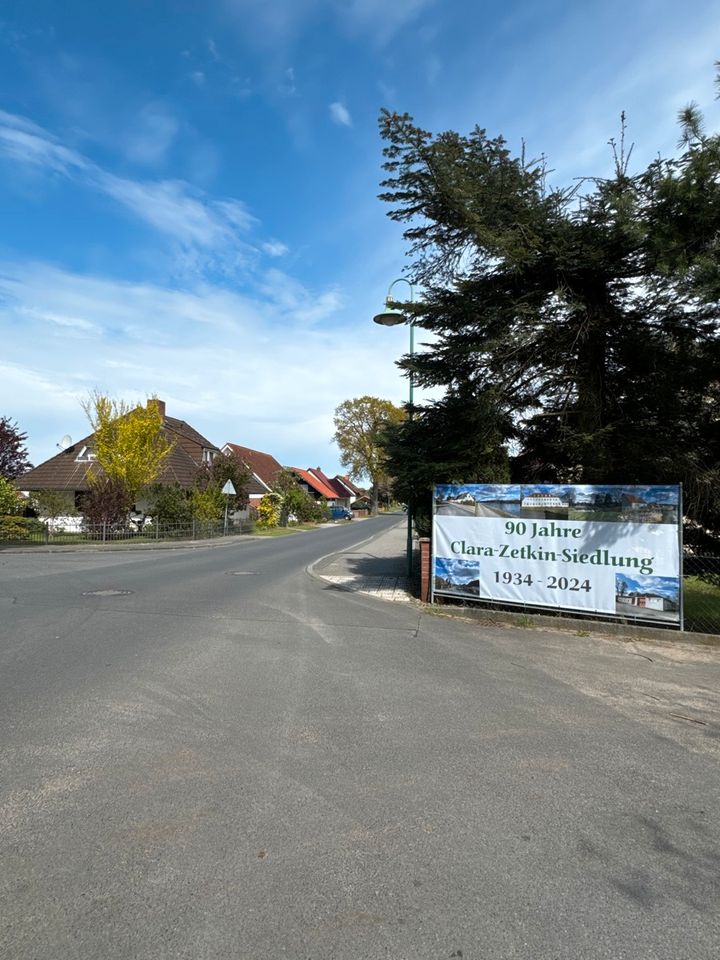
[211, 753]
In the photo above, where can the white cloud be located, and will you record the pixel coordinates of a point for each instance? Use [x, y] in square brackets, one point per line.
[274, 248]
[25, 142]
[198, 78]
[379, 19]
[198, 225]
[287, 86]
[261, 370]
[278, 22]
[340, 114]
[152, 134]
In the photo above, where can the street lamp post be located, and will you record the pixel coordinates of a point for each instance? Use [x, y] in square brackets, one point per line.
[391, 318]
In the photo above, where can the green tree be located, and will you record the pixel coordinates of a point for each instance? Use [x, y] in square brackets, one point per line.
[13, 455]
[454, 440]
[295, 501]
[170, 504]
[129, 444]
[208, 504]
[213, 476]
[11, 502]
[359, 428]
[566, 311]
[51, 504]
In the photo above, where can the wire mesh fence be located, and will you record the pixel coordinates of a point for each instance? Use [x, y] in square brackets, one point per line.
[701, 593]
[24, 531]
[701, 601]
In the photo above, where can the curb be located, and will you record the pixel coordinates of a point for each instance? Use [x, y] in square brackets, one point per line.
[312, 571]
[604, 628]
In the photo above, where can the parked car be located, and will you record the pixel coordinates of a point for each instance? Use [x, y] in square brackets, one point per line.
[340, 513]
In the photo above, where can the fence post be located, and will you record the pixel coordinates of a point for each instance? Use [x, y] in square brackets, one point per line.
[157, 528]
[193, 532]
[424, 569]
[47, 533]
[104, 530]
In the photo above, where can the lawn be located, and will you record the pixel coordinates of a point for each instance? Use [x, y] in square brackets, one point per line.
[701, 605]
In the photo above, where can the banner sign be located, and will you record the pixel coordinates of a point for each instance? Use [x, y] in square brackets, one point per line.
[612, 550]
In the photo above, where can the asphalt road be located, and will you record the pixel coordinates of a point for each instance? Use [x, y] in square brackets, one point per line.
[233, 759]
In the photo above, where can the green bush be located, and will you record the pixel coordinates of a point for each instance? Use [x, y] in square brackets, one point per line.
[170, 504]
[11, 503]
[20, 528]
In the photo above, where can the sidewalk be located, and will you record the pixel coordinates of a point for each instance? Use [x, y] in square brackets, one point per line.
[378, 567]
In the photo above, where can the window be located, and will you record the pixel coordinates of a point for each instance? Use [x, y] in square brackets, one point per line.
[86, 455]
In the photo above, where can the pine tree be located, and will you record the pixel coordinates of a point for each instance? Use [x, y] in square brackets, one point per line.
[587, 314]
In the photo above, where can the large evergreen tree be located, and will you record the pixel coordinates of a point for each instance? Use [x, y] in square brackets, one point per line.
[587, 313]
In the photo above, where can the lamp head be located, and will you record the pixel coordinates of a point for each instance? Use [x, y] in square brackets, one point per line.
[390, 318]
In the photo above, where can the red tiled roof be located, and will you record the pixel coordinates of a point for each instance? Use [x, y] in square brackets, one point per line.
[323, 489]
[337, 488]
[348, 483]
[263, 465]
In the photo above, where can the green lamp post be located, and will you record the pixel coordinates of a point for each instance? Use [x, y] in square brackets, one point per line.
[391, 317]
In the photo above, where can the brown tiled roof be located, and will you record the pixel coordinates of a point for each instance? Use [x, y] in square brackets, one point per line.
[263, 465]
[62, 472]
[255, 488]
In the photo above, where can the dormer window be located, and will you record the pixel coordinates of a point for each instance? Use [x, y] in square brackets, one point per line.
[208, 455]
[86, 455]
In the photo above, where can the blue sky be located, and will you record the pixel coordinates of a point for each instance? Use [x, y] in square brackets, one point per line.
[188, 191]
[457, 571]
[665, 586]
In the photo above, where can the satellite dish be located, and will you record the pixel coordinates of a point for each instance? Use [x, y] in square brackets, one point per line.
[65, 442]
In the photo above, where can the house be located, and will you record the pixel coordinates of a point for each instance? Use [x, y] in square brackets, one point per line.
[649, 601]
[345, 491]
[68, 469]
[536, 500]
[264, 469]
[316, 488]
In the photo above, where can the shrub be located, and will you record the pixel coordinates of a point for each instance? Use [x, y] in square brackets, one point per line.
[53, 503]
[269, 511]
[20, 528]
[170, 504]
[11, 503]
[106, 502]
[207, 505]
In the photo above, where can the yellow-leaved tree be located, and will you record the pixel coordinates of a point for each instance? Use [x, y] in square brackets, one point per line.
[359, 428]
[129, 445]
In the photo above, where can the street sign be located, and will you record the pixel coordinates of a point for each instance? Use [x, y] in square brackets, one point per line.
[229, 489]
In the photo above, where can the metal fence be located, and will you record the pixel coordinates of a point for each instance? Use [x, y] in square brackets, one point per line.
[701, 601]
[39, 533]
[701, 593]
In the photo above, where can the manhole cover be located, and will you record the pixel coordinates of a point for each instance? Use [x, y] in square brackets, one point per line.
[242, 573]
[106, 593]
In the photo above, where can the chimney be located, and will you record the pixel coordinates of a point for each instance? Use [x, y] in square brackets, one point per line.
[160, 404]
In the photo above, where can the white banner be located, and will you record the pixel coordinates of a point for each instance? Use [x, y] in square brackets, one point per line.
[600, 549]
